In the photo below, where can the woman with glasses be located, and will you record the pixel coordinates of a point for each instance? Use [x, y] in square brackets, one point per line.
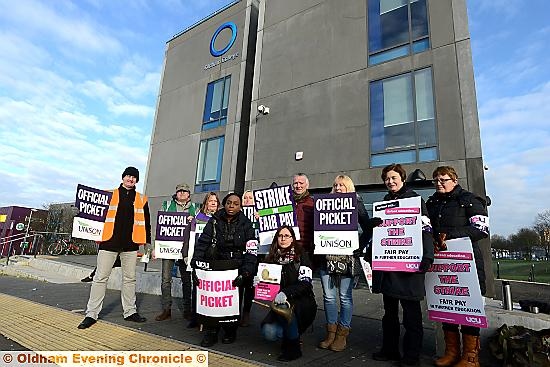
[457, 213]
[338, 275]
[296, 288]
[210, 205]
[405, 288]
[227, 242]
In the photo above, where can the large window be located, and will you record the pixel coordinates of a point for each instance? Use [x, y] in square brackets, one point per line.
[209, 167]
[215, 105]
[402, 118]
[396, 28]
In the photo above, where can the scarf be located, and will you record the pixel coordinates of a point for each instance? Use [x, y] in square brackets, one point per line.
[300, 197]
[285, 255]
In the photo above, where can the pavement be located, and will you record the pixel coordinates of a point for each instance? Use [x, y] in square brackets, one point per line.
[59, 298]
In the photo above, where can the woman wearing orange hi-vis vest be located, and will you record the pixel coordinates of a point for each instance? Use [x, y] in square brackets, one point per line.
[127, 226]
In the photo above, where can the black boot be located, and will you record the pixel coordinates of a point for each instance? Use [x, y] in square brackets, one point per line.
[291, 350]
[210, 338]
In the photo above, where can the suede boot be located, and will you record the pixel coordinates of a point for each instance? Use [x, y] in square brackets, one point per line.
[340, 341]
[164, 315]
[210, 338]
[290, 349]
[331, 334]
[470, 351]
[452, 349]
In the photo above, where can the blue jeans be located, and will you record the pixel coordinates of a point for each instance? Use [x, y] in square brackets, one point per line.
[330, 292]
[281, 329]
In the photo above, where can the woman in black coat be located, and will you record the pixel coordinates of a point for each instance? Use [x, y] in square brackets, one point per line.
[227, 242]
[406, 288]
[296, 288]
[457, 213]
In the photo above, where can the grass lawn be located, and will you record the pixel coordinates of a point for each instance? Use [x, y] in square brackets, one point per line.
[520, 269]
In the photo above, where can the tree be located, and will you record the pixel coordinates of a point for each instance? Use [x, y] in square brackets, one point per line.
[500, 244]
[542, 226]
[525, 239]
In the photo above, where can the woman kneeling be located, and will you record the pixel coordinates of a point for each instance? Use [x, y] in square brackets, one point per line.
[296, 289]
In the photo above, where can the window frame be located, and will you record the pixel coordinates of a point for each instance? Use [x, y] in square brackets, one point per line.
[207, 121]
[202, 185]
[402, 49]
[417, 149]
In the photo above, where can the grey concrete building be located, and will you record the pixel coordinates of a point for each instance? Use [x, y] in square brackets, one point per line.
[350, 86]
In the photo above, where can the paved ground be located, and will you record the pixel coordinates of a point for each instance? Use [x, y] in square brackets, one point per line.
[364, 339]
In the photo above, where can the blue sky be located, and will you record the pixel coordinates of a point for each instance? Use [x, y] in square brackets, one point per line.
[79, 82]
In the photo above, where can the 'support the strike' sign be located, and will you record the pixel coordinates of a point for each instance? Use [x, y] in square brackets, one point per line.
[92, 205]
[275, 207]
[169, 234]
[270, 281]
[452, 287]
[335, 224]
[216, 296]
[397, 242]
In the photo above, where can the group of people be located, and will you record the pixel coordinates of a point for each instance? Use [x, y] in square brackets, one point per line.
[229, 241]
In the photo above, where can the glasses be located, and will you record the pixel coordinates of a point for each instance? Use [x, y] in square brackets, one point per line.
[284, 236]
[442, 181]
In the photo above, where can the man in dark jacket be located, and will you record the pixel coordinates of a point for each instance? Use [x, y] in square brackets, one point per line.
[456, 213]
[304, 212]
[127, 226]
[227, 242]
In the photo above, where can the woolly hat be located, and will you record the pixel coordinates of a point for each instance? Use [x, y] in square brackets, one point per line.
[183, 187]
[131, 171]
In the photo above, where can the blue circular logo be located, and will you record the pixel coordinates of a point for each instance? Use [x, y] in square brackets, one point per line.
[233, 27]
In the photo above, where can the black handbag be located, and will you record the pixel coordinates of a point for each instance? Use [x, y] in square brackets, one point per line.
[338, 264]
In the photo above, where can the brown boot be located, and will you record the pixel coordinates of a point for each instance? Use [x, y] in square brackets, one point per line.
[164, 315]
[331, 334]
[452, 349]
[470, 351]
[339, 343]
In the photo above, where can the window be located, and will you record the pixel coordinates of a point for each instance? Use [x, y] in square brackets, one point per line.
[396, 28]
[215, 104]
[402, 119]
[209, 167]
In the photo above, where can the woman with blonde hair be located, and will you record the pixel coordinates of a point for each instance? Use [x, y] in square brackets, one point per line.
[338, 273]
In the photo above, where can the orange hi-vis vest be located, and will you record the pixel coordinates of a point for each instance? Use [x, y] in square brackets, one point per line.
[138, 230]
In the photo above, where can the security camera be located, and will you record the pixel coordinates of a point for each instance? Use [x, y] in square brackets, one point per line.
[486, 167]
[263, 109]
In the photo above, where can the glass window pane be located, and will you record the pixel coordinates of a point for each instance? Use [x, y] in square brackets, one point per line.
[426, 133]
[380, 160]
[399, 136]
[389, 5]
[384, 56]
[388, 24]
[424, 95]
[208, 102]
[211, 160]
[427, 155]
[421, 45]
[200, 164]
[226, 93]
[217, 96]
[398, 103]
[419, 19]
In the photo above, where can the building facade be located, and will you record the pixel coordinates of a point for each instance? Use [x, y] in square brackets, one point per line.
[349, 87]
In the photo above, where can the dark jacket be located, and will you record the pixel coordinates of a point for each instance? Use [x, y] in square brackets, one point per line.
[299, 292]
[121, 240]
[460, 213]
[405, 285]
[230, 251]
[304, 216]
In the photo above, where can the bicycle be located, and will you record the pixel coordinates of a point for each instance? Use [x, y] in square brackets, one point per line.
[57, 248]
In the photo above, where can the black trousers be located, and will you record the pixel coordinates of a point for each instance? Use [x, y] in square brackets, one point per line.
[412, 321]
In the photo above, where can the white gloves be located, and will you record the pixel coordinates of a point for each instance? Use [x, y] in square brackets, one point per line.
[255, 281]
[280, 298]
